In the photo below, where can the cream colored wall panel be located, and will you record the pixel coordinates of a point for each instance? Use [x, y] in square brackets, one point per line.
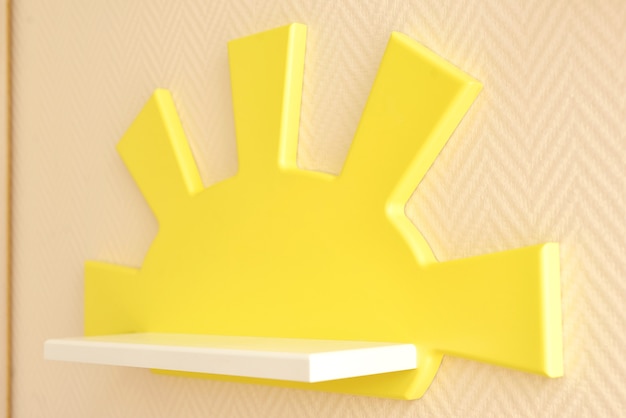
[540, 157]
[4, 207]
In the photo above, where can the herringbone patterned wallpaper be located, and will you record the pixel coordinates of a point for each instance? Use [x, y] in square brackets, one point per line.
[540, 157]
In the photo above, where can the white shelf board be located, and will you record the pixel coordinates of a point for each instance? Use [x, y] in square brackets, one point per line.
[298, 360]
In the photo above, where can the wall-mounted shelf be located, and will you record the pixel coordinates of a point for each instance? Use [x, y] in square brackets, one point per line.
[280, 251]
[297, 360]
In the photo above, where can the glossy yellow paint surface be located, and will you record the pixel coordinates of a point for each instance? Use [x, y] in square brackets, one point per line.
[277, 251]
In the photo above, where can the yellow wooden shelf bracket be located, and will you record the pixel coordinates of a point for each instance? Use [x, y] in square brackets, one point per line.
[293, 269]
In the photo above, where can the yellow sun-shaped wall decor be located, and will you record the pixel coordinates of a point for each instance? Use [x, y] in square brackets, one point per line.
[277, 251]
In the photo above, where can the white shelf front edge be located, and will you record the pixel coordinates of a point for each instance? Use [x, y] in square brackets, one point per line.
[298, 360]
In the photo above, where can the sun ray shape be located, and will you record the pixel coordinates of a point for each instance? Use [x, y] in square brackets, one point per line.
[276, 251]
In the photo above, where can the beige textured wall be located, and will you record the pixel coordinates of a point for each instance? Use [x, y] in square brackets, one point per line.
[540, 157]
[4, 255]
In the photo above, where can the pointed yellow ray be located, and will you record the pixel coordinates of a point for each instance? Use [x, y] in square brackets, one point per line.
[501, 308]
[158, 156]
[266, 77]
[415, 104]
[112, 299]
